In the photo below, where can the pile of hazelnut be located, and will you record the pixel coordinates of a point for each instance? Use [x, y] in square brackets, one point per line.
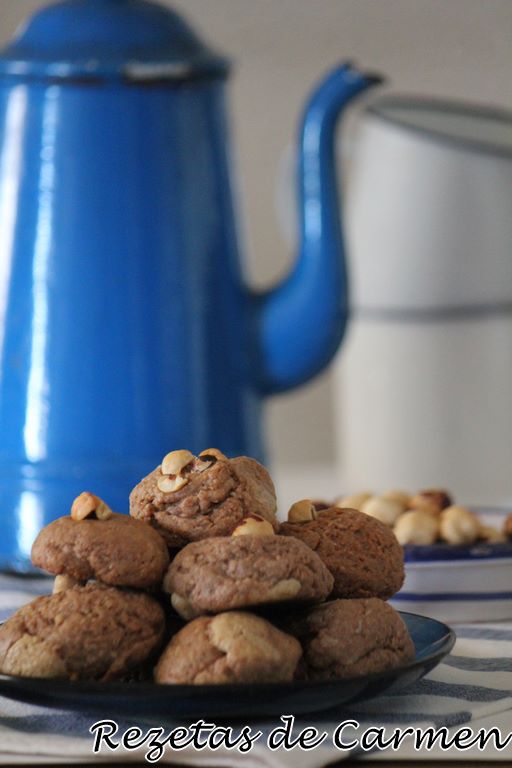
[426, 517]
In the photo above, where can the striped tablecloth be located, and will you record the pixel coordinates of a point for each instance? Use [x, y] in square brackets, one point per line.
[471, 689]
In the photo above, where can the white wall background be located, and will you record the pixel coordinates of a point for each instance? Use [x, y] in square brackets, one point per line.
[452, 48]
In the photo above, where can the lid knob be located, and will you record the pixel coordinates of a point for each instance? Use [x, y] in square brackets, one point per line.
[105, 39]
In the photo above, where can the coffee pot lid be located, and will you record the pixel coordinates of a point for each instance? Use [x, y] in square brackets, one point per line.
[132, 40]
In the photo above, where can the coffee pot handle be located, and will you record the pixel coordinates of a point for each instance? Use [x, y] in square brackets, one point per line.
[300, 323]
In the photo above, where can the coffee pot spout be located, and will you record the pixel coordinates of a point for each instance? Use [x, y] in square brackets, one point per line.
[301, 322]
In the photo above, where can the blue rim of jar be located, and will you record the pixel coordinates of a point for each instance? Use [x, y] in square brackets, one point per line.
[132, 73]
[465, 108]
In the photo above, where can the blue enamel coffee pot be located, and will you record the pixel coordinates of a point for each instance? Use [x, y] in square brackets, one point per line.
[126, 329]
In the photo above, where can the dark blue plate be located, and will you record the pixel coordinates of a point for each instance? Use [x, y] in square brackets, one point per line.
[432, 641]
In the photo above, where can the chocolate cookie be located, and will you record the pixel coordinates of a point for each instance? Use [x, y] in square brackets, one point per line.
[222, 573]
[85, 633]
[119, 551]
[232, 647]
[212, 497]
[362, 553]
[349, 638]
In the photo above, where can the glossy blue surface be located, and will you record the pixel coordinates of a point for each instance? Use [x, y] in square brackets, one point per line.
[301, 322]
[107, 39]
[126, 329]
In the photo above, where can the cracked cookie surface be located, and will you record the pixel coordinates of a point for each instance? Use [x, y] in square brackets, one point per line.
[234, 647]
[119, 551]
[211, 503]
[362, 553]
[84, 633]
[349, 638]
[223, 573]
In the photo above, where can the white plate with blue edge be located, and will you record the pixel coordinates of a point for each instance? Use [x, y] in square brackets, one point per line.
[460, 583]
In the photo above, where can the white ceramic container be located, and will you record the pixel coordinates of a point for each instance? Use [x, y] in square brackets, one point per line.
[459, 584]
[424, 379]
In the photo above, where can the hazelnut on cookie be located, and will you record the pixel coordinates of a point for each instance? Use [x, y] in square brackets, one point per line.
[432, 500]
[111, 548]
[188, 498]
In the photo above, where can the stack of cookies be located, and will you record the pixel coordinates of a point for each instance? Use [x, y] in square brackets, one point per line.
[201, 584]
[102, 621]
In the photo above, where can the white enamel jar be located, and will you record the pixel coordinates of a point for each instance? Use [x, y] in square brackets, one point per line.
[424, 379]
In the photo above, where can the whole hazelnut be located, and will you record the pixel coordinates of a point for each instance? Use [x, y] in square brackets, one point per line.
[399, 497]
[432, 500]
[254, 525]
[354, 501]
[458, 525]
[416, 527]
[175, 461]
[491, 535]
[302, 511]
[89, 505]
[385, 510]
